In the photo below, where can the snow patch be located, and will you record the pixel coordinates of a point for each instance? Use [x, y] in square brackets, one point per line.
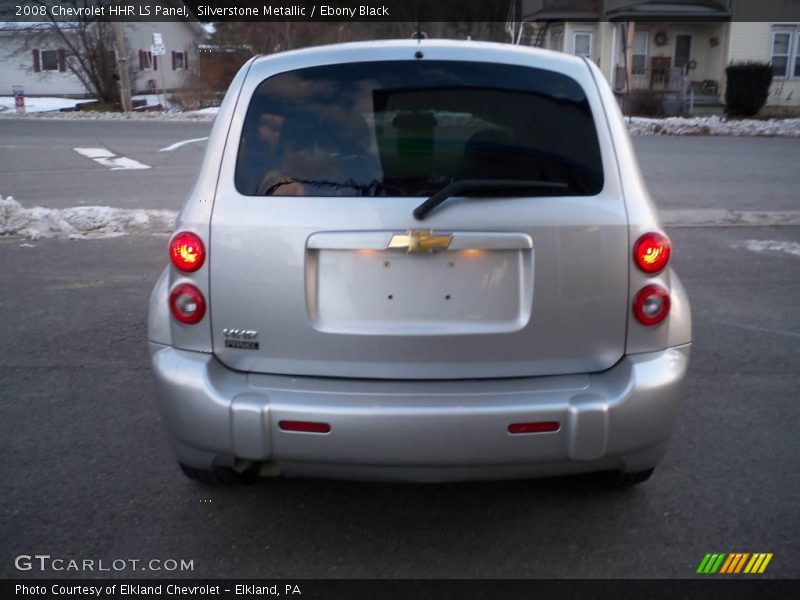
[714, 125]
[39, 105]
[90, 115]
[156, 100]
[82, 222]
[211, 110]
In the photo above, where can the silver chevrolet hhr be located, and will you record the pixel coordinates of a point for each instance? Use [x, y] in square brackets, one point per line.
[424, 261]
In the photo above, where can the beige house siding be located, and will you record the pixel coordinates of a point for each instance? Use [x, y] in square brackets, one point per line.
[709, 57]
[714, 47]
[605, 52]
[714, 44]
[753, 41]
[608, 46]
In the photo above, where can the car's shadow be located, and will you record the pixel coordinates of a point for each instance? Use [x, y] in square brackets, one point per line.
[365, 529]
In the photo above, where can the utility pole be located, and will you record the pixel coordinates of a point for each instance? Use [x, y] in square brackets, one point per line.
[122, 65]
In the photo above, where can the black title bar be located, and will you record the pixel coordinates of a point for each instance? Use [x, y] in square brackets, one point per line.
[498, 11]
[416, 589]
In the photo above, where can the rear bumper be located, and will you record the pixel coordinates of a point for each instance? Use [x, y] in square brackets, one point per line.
[421, 430]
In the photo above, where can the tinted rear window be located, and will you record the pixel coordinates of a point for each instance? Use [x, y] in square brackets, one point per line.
[404, 128]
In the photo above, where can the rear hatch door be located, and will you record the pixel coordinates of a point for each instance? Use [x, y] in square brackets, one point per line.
[318, 266]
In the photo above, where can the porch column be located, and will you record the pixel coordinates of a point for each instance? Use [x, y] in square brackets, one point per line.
[629, 55]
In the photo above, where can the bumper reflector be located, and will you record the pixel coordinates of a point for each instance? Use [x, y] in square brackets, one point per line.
[304, 426]
[535, 427]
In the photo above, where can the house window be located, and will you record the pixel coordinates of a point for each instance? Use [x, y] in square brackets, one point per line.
[683, 50]
[582, 44]
[641, 43]
[146, 60]
[557, 41]
[49, 60]
[797, 54]
[180, 61]
[785, 57]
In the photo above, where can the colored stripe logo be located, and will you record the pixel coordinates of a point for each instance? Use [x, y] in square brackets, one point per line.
[734, 563]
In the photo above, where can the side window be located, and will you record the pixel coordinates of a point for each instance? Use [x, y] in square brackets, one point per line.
[781, 48]
[146, 60]
[683, 50]
[49, 60]
[641, 41]
[797, 54]
[583, 44]
[179, 60]
[557, 41]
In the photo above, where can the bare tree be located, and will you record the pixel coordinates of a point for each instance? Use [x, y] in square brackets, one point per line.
[483, 21]
[277, 36]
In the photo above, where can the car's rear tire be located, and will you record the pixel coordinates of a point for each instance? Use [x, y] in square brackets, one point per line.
[219, 475]
[619, 480]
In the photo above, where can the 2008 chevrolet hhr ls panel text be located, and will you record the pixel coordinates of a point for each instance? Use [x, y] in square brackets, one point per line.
[423, 261]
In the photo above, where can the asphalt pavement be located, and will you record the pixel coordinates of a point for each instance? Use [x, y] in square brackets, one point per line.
[87, 471]
[39, 166]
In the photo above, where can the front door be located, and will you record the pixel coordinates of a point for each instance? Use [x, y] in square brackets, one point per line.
[683, 50]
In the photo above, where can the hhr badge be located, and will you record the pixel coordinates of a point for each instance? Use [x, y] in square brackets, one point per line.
[241, 339]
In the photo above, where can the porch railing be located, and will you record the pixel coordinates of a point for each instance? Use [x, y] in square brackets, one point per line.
[672, 80]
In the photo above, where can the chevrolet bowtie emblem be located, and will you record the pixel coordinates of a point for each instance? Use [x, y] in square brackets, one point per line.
[420, 240]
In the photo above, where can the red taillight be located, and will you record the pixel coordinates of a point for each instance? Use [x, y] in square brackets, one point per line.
[187, 304]
[651, 305]
[187, 251]
[534, 427]
[305, 426]
[651, 252]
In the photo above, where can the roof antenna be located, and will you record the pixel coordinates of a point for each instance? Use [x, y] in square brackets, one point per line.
[418, 35]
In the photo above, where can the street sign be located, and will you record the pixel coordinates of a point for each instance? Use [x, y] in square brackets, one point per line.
[19, 98]
[158, 48]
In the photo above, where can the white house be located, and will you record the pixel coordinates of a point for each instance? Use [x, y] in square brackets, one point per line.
[678, 49]
[41, 66]
[169, 71]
